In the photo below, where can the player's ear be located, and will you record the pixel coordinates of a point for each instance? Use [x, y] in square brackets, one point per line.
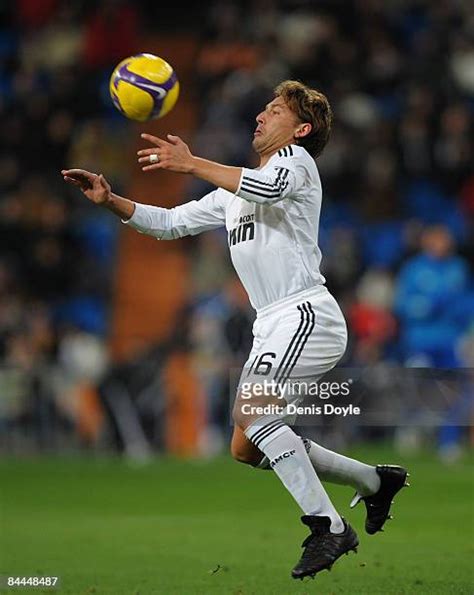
[303, 130]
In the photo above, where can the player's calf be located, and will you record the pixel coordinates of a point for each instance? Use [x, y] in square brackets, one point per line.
[243, 450]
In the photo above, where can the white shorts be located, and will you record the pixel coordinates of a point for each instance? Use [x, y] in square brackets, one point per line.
[299, 338]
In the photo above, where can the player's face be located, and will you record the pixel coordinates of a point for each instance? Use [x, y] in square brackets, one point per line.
[276, 127]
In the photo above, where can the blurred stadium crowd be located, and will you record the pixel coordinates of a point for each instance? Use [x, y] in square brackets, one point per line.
[398, 180]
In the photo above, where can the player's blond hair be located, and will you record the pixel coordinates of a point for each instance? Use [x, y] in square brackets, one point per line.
[311, 106]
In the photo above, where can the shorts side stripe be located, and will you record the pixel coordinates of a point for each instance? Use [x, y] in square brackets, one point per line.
[290, 346]
[312, 318]
[293, 347]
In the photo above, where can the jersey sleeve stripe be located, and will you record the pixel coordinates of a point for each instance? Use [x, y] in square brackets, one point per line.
[263, 184]
[278, 186]
[276, 191]
[248, 188]
[254, 181]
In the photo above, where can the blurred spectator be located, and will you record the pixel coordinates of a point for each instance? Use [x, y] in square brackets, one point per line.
[111, 34]
[429, 287]
[32, 14]
[370, 317]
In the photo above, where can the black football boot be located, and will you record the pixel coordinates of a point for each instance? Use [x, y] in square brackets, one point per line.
[392, 480]
[322, 548]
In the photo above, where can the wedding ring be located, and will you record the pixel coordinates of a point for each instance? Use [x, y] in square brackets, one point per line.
[154, 158]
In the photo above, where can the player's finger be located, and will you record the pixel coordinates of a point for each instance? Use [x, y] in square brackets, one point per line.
[174, 140]
[79, 179]
[72, 181]
[154, 139]
[103, 182]
[69, 173]
[78, 172]
[154, 166]
[151, 151]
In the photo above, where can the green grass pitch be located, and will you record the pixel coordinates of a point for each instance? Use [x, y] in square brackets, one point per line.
[186, 527]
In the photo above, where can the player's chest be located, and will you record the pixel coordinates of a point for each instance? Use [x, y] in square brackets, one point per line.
[248, 221]
[241, 219]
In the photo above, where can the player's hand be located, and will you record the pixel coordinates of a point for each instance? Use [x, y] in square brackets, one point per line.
[94, 186]
[172, 155]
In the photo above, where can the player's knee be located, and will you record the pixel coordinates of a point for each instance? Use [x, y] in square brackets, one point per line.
[247, 409]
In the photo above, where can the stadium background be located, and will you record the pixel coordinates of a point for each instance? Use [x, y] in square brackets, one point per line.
[114, 344]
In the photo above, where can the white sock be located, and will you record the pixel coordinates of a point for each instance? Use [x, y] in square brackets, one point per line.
[290, 461]
[336, 468]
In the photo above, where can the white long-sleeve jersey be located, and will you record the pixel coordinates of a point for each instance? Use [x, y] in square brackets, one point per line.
[272, 222]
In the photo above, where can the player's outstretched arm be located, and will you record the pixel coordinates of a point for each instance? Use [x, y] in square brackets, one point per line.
[96, 188]
[252, 185]
[174, 155]
[164, 224]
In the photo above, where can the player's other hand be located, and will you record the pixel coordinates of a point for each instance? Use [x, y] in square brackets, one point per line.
[94, 186]
[172, 155]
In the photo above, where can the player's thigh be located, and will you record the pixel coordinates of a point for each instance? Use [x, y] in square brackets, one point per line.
[258, 392]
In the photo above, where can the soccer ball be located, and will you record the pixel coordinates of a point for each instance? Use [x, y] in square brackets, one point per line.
[144, 87]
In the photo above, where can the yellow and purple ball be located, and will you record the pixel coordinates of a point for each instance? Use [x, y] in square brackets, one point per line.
[144, 87]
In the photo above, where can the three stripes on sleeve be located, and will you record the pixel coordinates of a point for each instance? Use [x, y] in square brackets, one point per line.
[253, 187]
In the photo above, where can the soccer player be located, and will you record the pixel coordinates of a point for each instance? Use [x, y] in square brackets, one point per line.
[272, 217]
